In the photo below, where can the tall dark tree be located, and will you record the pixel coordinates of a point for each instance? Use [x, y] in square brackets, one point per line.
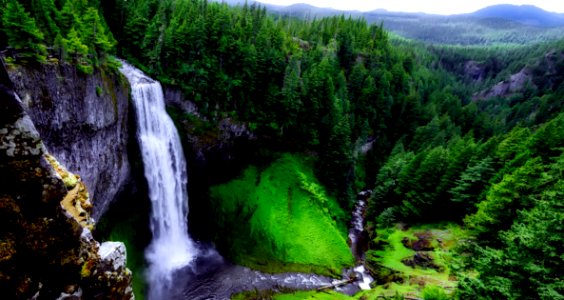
[22, 33]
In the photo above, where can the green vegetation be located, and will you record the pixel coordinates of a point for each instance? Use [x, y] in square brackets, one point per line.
[434, 279]
[22, 32]
[431, 292]
[505, 28]
[443, 146]
[406, 260]
[63, 30]
[321, 86]
[466, 135]
[496, 184]
[464, 30]
[329, 295]
[282, 219]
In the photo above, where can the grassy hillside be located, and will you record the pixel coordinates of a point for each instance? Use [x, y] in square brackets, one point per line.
[281, 219]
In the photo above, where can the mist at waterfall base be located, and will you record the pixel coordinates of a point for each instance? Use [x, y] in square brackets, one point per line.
[165, 170]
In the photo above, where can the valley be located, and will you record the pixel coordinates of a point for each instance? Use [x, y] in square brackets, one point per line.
[176, 149]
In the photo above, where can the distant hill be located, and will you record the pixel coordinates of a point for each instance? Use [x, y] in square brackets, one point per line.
[296, 10]
[463, 29]
[494, 25]
[235, 2]
[302, 10]
[524, 14]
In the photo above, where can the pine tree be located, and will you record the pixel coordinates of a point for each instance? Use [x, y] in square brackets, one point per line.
[67, 17]
[472, 182]
[45, 14]
[525, 262]
[78, 51]
[22, 33]
[291, 93]
[60, 47]
[516, 191]
[93, 35]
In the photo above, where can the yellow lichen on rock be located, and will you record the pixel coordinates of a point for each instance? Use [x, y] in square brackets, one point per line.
[87, 268]
[69, 179]
[77, 201]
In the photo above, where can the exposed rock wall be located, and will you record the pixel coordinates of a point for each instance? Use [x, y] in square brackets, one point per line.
[46, 247]
[215, 152]
[83, 121]
[217, 142]
[515, 84]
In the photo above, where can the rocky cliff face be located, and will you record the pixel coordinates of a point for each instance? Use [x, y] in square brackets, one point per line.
[515, 84]
[46, 246]
[212, 144]
[83, 121]
[215, 152]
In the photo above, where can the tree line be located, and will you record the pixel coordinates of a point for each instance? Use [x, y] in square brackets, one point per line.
[65, 30]
[394, 115]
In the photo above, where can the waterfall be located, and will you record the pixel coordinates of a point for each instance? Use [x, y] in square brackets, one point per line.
[165, 171]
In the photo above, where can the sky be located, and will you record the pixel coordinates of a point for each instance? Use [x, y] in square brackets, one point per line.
[444, 7]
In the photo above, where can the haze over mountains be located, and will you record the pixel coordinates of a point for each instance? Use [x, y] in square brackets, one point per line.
[503, 24]
[525, 14]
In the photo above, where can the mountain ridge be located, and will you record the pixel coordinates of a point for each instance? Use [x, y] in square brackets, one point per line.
[493, 25]
[530, 15]
[524, 14]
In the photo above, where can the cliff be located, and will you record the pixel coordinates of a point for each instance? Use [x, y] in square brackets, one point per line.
[83, 121]
[46, 247]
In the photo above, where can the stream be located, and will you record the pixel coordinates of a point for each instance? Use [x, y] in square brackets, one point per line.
[211, 277]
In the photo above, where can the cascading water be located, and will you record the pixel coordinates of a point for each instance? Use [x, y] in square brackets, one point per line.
[171, 248]
[165, 171]
[355, 235]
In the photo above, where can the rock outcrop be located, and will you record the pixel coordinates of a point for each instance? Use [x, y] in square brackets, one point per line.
[46, 247]
[515, 84]
[216, 142]
[474, 71]
[83, 121]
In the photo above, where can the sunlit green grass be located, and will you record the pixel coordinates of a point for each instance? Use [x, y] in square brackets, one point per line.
[282, 219]
[416, 282]
[393, 252]
[324, 295]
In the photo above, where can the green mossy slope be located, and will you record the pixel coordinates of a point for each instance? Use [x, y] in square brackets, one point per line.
[281, 219]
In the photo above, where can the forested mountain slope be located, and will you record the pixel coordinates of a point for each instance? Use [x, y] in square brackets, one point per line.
[493, 25]
[339, 104]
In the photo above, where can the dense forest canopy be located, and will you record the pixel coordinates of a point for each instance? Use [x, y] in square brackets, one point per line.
[401, 117]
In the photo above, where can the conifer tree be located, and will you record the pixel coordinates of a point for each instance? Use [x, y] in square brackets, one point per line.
[78, 51]
[22, 33]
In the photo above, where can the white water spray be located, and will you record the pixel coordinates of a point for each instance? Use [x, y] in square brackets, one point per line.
[165, 171]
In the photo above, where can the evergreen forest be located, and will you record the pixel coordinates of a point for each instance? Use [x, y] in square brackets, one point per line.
[460, 147]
